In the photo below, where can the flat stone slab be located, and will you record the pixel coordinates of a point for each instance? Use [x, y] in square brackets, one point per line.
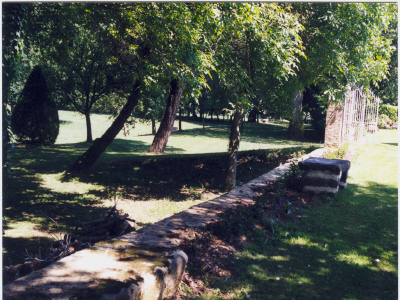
[109, 270]
[324, 176]
[145, 264]
[335, 166]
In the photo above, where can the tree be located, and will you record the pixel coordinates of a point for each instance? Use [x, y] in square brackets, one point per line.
[35, 116]
[344, 44]
[86, 73]
[316, 110]
[257, 51]
[165, 129]
[14, 21]
[86, 160]
[161, 40]
[387, 89]
[80, 57]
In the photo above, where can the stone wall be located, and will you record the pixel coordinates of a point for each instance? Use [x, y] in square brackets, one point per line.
[333, 127]
[142, 265]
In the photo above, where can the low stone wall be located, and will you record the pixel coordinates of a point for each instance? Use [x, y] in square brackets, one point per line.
[146, 264]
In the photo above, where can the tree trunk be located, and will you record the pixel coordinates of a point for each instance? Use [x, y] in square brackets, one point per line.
[296, 127]
[164, 131]
[86, 160]
[180, 119]
[195, 118]
[153, 127]
[89, 137]
[234, 139]
[253, 115]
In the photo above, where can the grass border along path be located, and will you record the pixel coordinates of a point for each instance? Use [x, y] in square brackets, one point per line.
[343, 248]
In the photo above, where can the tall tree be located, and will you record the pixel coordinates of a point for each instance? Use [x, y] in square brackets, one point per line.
[163, 41]
[344, 44]
[14, 26]
[79, 57]
[387, 89]
[165, 129]
[258, 50]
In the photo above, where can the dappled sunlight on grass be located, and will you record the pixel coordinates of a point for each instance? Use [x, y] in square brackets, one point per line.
[55, 183]
[341, 248]
[150, 211]
[354, 258]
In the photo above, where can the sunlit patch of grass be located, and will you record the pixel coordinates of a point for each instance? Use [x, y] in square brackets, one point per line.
[150, 211]
[279, 258]
[55, 183]
[354, 258]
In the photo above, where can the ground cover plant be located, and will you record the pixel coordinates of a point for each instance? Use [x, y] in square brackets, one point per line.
[295, 246]
[147, 187]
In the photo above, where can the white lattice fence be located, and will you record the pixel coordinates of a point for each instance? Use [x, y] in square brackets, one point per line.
[360, 118]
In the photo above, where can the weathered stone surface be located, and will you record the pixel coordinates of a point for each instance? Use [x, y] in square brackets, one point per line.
[333, 126]
[329, 191]
[317, 181]
[334, 166]
[324, 175]
[108, 271]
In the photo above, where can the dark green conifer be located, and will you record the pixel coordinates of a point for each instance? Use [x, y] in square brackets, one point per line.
[35, 116]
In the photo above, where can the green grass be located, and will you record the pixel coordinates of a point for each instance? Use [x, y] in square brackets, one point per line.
[149, 187]
[344, 248]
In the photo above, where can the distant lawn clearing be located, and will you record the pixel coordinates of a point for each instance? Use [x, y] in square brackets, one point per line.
[148, 187]
[193, 139]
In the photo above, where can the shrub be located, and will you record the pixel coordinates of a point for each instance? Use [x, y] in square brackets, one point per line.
[291, 179]
[338, 153]
[35, 116]
[384, 122]
[390, 111]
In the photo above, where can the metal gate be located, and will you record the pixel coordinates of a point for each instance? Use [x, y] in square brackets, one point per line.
[360, 118]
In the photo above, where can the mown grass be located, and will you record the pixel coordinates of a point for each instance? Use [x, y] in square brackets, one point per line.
[148, 187]
[342, 248]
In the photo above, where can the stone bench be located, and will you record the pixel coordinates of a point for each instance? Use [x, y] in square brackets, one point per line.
[324, 176]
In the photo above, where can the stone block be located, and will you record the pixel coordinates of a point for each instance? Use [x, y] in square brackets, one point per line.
[109, 271]
[324, 176]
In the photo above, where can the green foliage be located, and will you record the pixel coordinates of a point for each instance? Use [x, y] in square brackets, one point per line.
[344, 44]
[387, 89]
[390, 111]
[338, 153]
[35, 116]
[384, 122]
[313, 105]
[291, 179]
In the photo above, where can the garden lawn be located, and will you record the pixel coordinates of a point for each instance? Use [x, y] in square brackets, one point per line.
[341, 248]
[41, 202]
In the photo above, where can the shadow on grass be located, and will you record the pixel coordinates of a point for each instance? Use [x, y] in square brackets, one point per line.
[345, 248]
[28, 205]
[180, 177]
[15, 248]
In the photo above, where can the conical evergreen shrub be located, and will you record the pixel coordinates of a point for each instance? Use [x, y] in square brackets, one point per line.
[35, 116]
